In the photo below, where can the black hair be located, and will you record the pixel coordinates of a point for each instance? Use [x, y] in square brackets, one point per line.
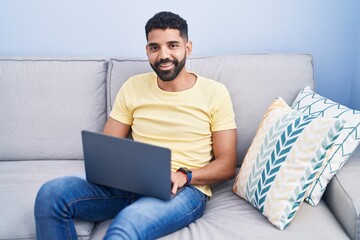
[167, 20]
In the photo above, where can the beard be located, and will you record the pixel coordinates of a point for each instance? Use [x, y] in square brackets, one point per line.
[169, 75]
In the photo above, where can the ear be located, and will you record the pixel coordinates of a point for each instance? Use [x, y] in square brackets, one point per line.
[188, 48]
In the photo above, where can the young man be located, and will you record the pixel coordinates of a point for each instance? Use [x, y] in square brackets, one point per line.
[173, 108]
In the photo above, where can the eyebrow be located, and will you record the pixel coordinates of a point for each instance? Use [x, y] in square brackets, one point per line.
[152, 44]
[172, 42]
[155, 44]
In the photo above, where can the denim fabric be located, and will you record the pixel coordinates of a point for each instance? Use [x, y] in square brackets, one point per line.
[135, 217]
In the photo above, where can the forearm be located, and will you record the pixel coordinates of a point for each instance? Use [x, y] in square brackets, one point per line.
[216, 171]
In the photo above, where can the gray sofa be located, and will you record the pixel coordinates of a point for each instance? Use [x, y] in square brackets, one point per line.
[46, 102]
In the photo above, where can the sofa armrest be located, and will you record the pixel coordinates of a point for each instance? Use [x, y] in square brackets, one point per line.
[343, 196]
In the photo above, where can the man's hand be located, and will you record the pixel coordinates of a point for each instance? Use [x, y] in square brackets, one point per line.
[178, 180]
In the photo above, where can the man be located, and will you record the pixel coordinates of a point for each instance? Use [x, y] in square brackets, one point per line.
[173, 108]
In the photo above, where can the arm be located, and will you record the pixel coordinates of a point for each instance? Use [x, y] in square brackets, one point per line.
[222, 168]
[116, 129]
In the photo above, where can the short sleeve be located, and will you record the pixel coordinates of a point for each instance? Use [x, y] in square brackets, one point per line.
[223, 116]
[121, 111]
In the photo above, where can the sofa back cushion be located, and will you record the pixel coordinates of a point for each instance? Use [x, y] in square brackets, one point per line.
[45, 103]
[253, 81]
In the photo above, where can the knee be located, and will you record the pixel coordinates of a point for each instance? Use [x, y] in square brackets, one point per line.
[136, 221]
[51, 189]
[125, 226]
[51, 194]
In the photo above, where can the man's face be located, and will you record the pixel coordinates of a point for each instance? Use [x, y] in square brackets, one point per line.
[167, 52]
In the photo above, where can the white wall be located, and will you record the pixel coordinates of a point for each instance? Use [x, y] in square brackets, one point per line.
[327, 29]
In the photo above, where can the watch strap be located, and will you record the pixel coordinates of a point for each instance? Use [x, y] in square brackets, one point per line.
[187, 172]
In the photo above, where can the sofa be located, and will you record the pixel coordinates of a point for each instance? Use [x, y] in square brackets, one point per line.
[45, 103]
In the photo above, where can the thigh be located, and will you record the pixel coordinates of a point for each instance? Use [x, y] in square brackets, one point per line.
[80, 199]
[150, 218]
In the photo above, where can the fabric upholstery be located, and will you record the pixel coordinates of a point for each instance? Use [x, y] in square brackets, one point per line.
[343, 196]
[45, 104]
[229, 217]
[19, 183]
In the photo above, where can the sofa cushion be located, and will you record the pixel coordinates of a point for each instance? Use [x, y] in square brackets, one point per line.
[229, 217]
[310, 102]
[19, 184]
[45, 103]
[253, 81]
[343, 195]
[287, 151]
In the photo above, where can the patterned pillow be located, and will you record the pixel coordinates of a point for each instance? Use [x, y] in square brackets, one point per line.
[310, 102]
[281, 163]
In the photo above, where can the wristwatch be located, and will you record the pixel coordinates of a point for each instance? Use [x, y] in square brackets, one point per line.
[188, 174]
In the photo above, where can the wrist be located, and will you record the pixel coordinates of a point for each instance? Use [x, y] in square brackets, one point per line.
[187, 173]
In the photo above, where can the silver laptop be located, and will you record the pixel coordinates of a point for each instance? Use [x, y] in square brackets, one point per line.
[128, 165]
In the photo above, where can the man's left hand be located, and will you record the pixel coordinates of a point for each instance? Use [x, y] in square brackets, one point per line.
[178, 180]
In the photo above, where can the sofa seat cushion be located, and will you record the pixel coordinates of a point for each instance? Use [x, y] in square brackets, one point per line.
[343, 195]
[19, 184]
[229, 217]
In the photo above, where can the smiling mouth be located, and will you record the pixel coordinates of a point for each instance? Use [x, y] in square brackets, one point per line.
[166, 66]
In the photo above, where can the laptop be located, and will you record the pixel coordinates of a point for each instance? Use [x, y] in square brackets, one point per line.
[128, 165]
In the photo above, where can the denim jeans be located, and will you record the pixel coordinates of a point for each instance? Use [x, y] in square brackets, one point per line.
[135, 217]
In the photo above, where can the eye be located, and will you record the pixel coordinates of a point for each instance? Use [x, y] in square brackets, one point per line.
[174, 45]
[153, 48]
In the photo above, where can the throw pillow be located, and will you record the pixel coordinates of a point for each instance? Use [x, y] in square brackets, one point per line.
[281, 163]
[310, 102]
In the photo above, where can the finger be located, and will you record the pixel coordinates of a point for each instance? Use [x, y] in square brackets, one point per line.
[174, 188]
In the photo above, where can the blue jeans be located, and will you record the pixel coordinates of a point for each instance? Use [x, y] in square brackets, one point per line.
[135, 217]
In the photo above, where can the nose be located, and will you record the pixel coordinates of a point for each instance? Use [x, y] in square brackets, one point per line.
[164, 53]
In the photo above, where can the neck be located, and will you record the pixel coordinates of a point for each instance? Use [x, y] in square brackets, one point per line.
[182, 82]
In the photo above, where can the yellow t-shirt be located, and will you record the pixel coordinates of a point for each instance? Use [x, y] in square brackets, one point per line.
[181, 121]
